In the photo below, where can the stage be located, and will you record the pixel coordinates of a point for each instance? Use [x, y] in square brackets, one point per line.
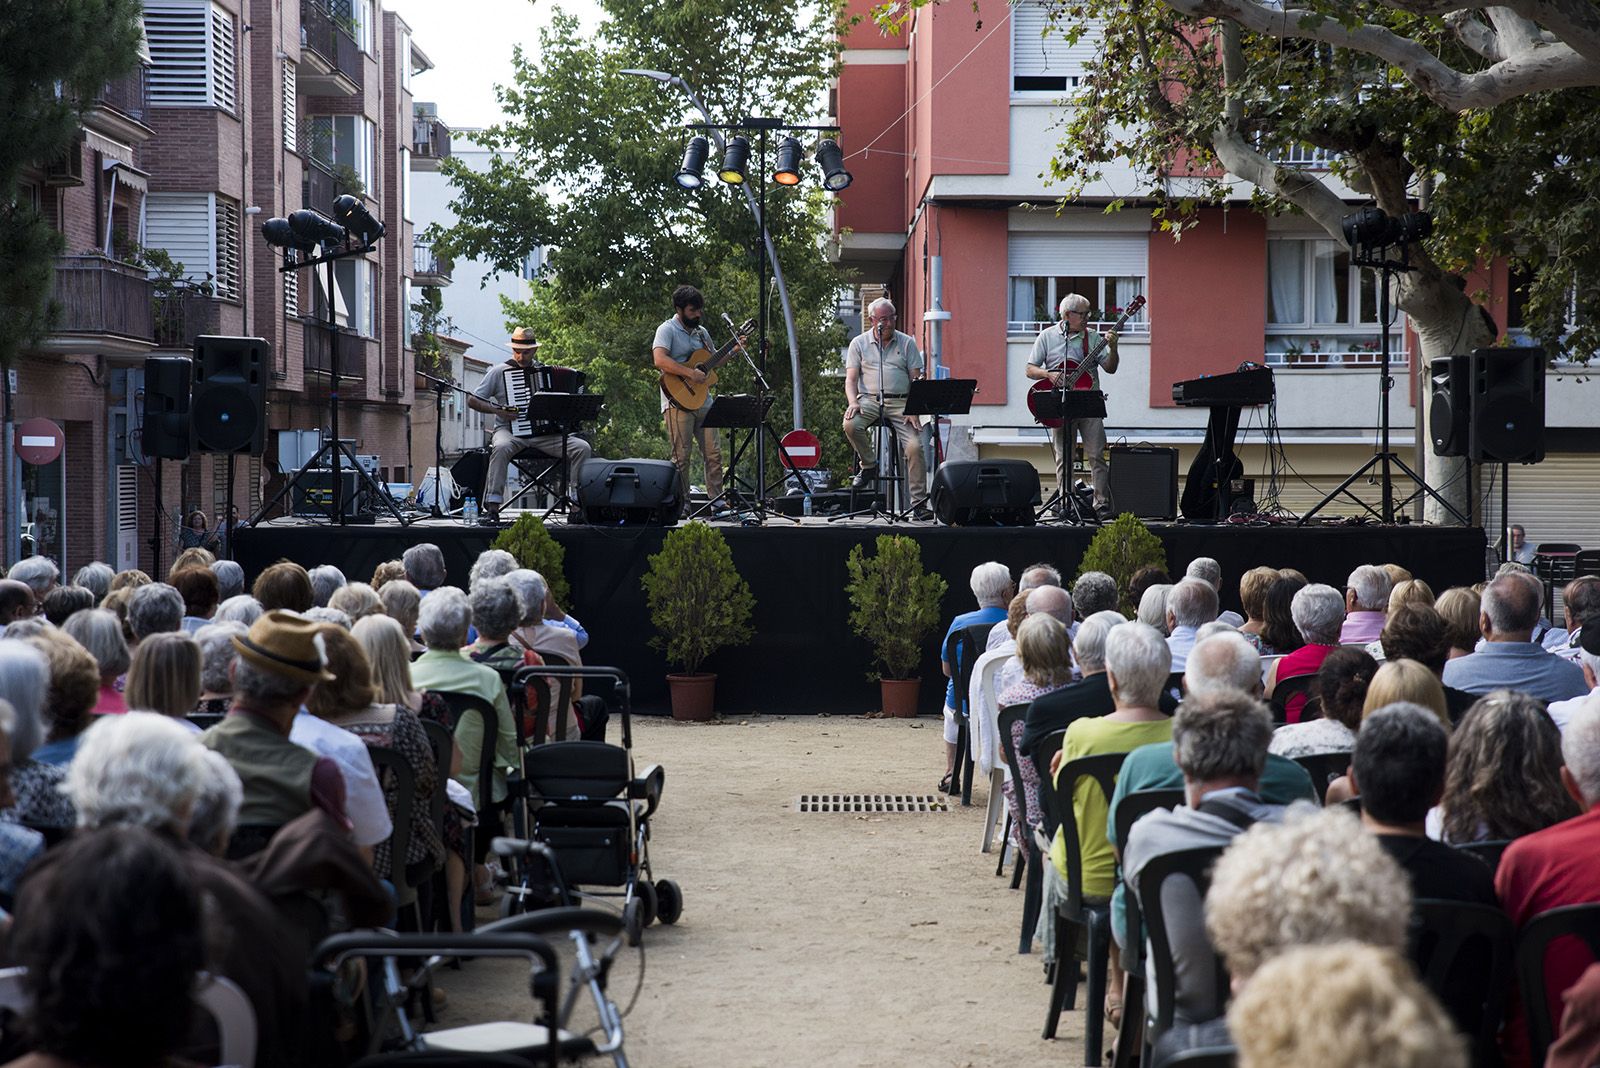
[804, 657]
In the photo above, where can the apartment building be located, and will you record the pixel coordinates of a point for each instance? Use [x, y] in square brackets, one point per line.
[948, 129]
[242, 110]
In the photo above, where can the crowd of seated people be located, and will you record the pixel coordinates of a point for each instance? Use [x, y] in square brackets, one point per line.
[1441, 749]
[188, 764]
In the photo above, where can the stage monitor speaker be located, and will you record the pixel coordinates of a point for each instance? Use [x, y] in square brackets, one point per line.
[164, 433]
[629, 492]
[313, 495]
[998, 493]
[1450, 404]
[470, 472]
[230, 394]
[1507, 424]
[1144, 481]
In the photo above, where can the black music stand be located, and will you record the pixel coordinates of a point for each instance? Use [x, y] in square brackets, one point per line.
[1069, 405]
[569, 411]
[735, 412]
[940, 397]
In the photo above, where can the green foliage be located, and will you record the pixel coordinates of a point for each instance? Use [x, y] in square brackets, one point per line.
[894, 604]
[698, 600]
[535, 549]
[58, 56]
[431, 322]
[592, 153]
[1120, 549]
[347, 180]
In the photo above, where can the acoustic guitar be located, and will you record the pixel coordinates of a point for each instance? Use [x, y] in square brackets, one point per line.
[690, 396]
[1078, 372]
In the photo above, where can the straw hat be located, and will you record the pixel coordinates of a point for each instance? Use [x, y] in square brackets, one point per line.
[285, 644]
[522, 338]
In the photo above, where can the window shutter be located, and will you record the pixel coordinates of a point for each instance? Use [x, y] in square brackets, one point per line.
[184, 224]
[1039, 50]
[1045, 255]
[227, 249]
[176, 30]
[223, 90]
[291, 121]
[291, 294]
[127, 516]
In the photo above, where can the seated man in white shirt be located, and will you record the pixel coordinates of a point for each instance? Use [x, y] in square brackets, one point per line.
[1032, 578]
[1043, 600]
[1191, 604]
[1580, 598]
[1589, 660]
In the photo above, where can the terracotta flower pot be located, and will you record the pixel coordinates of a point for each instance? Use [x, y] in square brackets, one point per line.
[900, 697]
[694, 697]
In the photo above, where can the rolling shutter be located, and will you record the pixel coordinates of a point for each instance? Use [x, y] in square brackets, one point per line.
[1556, 500]
[1044, 255]
[184, 224]
[1039, 47]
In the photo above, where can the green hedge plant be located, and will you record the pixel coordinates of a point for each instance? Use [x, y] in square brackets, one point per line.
[1120, 549]
[698, 601]
[535, 549]
[894, 604]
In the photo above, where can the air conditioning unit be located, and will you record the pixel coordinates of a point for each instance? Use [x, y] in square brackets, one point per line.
[66, 171]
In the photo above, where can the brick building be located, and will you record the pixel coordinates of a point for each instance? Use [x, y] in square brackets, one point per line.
[242, 110]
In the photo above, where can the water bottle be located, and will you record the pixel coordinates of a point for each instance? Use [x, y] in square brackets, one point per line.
[469, 512]
[806, 505]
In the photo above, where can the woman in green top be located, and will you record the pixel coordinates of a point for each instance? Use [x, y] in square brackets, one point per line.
[1137, 665]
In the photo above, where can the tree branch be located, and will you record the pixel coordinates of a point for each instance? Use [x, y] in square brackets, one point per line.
[1470, 31]
[1575, 22]
[1540, 67]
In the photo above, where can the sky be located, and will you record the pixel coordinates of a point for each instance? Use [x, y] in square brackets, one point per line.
[470, 43]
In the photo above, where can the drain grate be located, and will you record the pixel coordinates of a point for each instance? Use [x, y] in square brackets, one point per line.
[871, 803]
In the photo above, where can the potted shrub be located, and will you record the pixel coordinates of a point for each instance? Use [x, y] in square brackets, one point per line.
[698, 603]
[529, 541]
[1120, 549]
[894, 606]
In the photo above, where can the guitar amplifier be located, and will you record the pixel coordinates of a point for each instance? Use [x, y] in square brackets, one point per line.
[1144, 481]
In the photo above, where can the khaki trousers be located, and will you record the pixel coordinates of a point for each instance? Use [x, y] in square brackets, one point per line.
[909, 438]
[1093, 432]
[684, 429]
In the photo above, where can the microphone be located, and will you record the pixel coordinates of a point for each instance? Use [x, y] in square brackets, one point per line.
[729, 320]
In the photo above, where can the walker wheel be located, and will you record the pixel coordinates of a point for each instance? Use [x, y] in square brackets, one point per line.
[669, 901]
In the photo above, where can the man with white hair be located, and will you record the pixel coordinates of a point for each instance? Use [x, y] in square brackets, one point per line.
[1033, 577]
[1057, 353]
[1191, 604]
[1508, 658]
[1053, 601]
[40, 573]
[992, 587]
[879, 367]
[1366, 605]
[1207, 570]
[1589, 662]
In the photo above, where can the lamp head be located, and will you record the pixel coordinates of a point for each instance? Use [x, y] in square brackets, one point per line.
[351, 214]
[691, 173]
[831, 159]
[313, 228]
[280, 234]
[787, 171]
[734, 159]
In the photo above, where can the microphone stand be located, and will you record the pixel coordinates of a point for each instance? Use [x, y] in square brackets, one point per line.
[439, 387]
[763, 391]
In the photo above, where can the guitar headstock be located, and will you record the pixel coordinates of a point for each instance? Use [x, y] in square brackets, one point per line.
[747, 327]
[1133, 306]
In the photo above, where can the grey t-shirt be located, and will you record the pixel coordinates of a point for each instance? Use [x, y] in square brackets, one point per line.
[897, 362]
[681, 343]
[1053, 347]
[494, 390]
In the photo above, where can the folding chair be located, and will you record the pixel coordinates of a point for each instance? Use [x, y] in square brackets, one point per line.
[963, 650]
[1463, 954]
[1195, 866]
[1322, 765]
[1533, 941]
[988, 717]
[1489, 852]
[541, 471]
[1283, 691]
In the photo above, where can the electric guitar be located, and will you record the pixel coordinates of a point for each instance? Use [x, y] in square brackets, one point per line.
[1078, 372]
[690, 396]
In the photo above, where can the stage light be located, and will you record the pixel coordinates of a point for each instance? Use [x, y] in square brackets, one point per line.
[787, 171]
[280, 234]
[734, 159]
[691, 174]
[354, 217]
[1415, 225]
[831, 159]
[313, 228]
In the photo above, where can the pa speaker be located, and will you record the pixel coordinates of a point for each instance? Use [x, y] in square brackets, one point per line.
[230, 394]
[165, 431]
[629, 492]
[470, 472]
[1507, 423]
[997, 493]
[1144, 481]
[1450, 404]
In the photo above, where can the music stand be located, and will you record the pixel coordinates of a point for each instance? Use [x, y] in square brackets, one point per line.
[570, 411]
[735, 412]
[1068, 405]
[940, 397]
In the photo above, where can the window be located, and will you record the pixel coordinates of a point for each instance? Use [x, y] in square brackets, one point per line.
[227, 262]
[184, 225]
[355, 16]
[1320, 309]
[346, 140]
[405, 183]
[1044, 267]
[191, 53]
[291, 294]
[291, 120]
[1041, 59]
[354, 296]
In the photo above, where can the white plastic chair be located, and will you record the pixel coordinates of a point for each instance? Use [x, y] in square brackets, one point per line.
[986, 739]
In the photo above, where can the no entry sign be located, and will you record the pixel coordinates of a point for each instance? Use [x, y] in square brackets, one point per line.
[803, 448]
[39, 441]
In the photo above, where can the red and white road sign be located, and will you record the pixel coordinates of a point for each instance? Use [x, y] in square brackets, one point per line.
[39, 441]
[803, 448]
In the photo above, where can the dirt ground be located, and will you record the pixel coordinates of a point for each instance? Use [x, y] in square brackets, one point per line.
[814, 939]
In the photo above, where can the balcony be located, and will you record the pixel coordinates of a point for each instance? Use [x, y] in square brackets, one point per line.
[330, 59]
[103, 306]
[352, 351]
[430, 141]
[429, 268]
[121, 110]
[183, 315]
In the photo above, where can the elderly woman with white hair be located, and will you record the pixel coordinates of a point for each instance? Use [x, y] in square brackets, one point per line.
[100, 631]
[325, 580]
[217, 656]
[155, 608]
[25, 683]
[1318, 612]
[356, 600]
[96, 578]
[879, 367]
[242, 608]
[993, 589]
[490, 564]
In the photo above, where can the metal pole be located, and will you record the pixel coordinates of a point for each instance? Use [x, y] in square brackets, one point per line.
[1383, 393]
[761, 312]
[333, 401]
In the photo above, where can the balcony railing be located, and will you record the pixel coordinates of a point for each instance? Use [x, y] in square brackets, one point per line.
[183, 315]
[97, 295]
[352, 351]
[430, 139]
[129, 94]
[428, 266]
[321, 32]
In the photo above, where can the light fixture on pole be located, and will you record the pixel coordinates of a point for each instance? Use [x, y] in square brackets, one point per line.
[691, 172]
[734, 160]
[787, 170]
[314, 228]
[831, 159]
[350, 213]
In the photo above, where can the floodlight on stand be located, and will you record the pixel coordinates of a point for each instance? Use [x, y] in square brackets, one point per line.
[280, 234]
[1368, 228]
[787, 172]
[734, 159]
[831, 159]
[1415, 225]
[350, 213]
[691, 173]
[313, 228]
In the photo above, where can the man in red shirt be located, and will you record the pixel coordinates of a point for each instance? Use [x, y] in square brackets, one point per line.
[1557, 866]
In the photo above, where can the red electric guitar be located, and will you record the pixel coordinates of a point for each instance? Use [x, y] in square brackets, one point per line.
[1078, 372]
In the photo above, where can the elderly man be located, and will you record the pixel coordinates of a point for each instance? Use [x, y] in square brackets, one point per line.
[16, 602]
[1033, 577]
[1589, 662]
[154, 608]
[1095, 591]
[1508, 658]
[1219, 742]
[424, 564]
[280, 663]
[1053, 601]
[1191, 604]
[1209, 571]
[879, 367]
[1366, 605]
[1579, 599]
[1057, 353]
[992, 587]
[39, 573]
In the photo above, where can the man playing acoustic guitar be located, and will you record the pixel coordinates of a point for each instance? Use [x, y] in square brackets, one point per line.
[676, 340]
[1057, 351]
